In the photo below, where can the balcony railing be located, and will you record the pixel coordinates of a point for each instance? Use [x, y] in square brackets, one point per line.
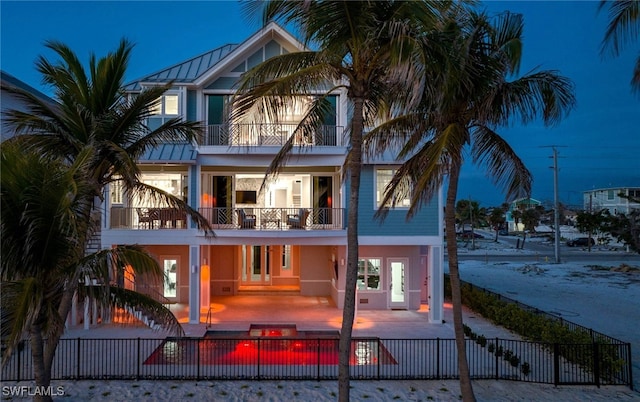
[275, 134]
[275, 218]
[154, 218]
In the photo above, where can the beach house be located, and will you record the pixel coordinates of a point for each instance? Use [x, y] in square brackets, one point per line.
[283, 236]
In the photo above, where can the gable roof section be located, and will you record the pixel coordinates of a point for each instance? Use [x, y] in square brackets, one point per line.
[186, 71]
[202, 67]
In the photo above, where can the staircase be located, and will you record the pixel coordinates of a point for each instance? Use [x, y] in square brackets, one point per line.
[131, 314]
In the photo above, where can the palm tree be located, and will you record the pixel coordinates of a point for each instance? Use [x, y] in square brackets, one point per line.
[366, 49]
[43, 235]
[623, 27]
[93, 113]
[469, 95]
[95, 129]
[497, 219]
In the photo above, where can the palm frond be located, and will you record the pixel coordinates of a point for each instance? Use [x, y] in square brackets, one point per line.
[502, 163]
[623, 26]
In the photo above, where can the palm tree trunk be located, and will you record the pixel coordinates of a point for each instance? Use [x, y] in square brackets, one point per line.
[452, 251]
[40, 372]
[354, 166]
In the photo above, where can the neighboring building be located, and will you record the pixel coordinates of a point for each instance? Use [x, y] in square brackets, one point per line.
[288, 238]
[520, 204]
[610, 199]
[10, 101]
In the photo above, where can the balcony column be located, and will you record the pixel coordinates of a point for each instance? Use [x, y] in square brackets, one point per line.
[194, 285]
[435, 272]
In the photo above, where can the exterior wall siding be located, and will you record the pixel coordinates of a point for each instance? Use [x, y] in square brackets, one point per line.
[315, 270]
[424, 223]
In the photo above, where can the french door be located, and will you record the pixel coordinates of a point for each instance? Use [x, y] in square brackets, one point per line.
[256, 265]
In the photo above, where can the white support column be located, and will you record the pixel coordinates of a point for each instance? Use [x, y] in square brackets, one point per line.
[436, 284]
[194, 285]
[86, 313]
[74, 310]
[94, 312]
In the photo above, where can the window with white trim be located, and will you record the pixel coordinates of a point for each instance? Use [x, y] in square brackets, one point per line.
[167, 107]
[401, 197]
[369, 274]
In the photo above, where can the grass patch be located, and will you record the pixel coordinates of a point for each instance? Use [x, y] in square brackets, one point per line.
[135, 385]
[190, 394]
[107, 393]
[147, 393]
[380, 389]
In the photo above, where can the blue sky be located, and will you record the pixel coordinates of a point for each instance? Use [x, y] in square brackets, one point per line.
[598, 144]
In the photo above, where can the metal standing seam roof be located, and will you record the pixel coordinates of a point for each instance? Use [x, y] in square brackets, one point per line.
[186, 71]
[170, 153]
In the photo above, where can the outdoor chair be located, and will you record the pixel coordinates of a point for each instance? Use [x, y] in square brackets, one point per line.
[245, 220]
[145, 217]
[299, 220]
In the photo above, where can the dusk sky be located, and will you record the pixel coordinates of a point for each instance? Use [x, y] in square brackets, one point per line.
[598, 144]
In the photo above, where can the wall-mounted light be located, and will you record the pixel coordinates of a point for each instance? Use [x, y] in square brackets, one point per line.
[342, 262]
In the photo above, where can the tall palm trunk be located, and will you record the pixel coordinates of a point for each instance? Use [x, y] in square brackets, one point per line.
[41, 371]
[348, 312]
[454, 274]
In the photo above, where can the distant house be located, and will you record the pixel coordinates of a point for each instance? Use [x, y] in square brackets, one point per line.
[519, 205]
[611, 199]
[10, 101]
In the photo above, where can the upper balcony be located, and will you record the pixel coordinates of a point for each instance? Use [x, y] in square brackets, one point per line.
[252, 219]
[272, 134]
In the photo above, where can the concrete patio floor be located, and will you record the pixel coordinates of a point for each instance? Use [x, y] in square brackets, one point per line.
[238, 313]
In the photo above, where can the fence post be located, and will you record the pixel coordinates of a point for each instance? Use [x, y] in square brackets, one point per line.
[556, 364]
[198, 358]
[596, 364]
[78, 359]
[379, 355]
[258, 358]
[19, 366]
[497, 359]
[138, 361]
[437, 358]
[629, 366]
[318, 360]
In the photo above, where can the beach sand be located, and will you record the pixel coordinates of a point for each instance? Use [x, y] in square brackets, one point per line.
[317, 391]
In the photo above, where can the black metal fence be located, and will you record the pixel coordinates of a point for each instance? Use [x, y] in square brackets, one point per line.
[595, 335]
[317, 359]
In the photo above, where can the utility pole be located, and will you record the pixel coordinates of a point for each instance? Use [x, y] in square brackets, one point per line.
[556, 203]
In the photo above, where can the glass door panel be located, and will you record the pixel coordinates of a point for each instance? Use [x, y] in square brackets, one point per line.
[256, 265]
[397, 297]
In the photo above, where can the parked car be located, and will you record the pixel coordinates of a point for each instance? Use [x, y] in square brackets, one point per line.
[503, 232]
[581, 242]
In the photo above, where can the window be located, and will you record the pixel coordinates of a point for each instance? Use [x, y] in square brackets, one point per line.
[167, 105]
[286, 257]
[369, 274]
[402, 196]
[610, 195]
[170, 267]
[116, 192]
